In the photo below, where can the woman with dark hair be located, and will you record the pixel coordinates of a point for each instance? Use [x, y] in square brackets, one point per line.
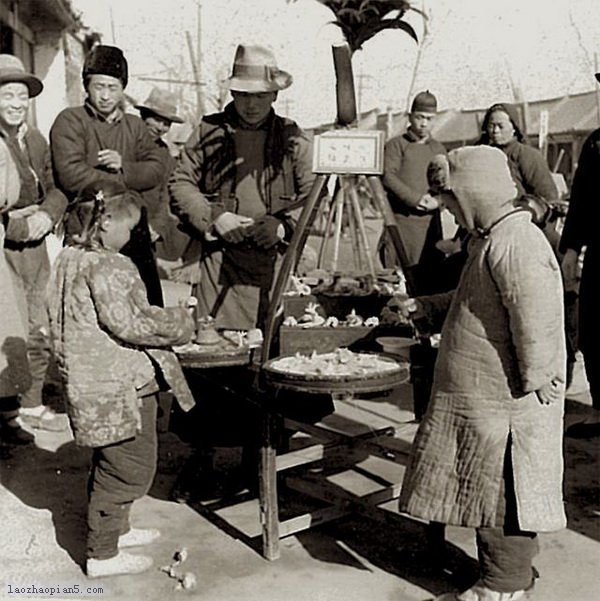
[502, 129]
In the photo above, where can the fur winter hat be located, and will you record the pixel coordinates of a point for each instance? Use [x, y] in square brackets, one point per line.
[106, 60]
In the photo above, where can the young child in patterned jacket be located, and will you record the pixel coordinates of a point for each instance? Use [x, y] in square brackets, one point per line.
[113, 351]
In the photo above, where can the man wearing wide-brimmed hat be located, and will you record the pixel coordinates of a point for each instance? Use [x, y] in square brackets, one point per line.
[159, 112]
[39, 207]
[99, 140]
[581, 231]
[239, 176]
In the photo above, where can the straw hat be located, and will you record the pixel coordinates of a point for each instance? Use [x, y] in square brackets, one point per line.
[12, 70]
[255, 70]
[161, 103]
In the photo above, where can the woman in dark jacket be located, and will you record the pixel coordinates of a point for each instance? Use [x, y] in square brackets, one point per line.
[501, 128]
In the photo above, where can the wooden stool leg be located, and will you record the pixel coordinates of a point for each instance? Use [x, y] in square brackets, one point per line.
[267, 483]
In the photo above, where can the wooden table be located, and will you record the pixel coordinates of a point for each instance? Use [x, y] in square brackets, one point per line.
[348, 427]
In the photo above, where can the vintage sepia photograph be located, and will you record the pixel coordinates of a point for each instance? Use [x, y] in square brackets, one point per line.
[297, 300]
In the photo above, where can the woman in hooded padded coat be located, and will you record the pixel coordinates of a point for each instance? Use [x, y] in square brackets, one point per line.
[488, 453]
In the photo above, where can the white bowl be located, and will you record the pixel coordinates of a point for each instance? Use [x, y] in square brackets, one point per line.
[396, 345]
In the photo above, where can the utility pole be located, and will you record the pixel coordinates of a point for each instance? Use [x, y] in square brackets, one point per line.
[200, 95]
[196, 60]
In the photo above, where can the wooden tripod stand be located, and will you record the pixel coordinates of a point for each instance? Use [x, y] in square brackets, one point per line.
[307, 218]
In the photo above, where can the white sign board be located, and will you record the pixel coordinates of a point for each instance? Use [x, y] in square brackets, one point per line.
[349, 151]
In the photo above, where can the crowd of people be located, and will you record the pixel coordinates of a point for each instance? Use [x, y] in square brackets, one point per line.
[488, 452]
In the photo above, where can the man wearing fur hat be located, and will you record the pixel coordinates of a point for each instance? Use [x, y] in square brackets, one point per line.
[99, 140]
[239, 177]
[39, 207]
[416, 211]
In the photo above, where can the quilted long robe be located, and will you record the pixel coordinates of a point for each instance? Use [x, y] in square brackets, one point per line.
[503, 339]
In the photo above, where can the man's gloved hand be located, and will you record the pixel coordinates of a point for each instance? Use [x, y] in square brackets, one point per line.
[231, 227]
[266, 231]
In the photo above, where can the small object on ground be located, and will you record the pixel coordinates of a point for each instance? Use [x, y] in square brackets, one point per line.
[185, 580]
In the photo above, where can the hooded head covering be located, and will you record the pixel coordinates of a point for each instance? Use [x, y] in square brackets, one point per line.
[106, 60]
[480, 180]
[513, 114]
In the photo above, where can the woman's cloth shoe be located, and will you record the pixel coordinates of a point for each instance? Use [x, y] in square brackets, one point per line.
[137, 537]
[478, 592]
[122, 563]
[47, 420]
[12, 434]
[583, 430]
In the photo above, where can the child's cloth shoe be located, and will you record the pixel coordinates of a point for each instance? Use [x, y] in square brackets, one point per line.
[122, 563]
[137, 537]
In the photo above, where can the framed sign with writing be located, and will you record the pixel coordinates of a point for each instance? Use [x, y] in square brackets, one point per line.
[349, 151]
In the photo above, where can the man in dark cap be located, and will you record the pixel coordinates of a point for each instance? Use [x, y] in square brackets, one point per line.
[418, 219]
[405, 179]
[40, 205]
[99, 140]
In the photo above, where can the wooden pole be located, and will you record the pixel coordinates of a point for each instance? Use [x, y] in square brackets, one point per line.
[296, 244]
[391, 230]
[339, 211]
[344, 86]
[326, 233]
[362, 230]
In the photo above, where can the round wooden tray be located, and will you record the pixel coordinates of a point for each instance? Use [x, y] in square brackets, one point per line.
[335, 384]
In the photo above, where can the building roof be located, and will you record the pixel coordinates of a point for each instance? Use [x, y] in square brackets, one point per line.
[48, 15]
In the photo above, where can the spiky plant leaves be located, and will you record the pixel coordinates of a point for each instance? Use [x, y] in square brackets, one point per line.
[360, 20]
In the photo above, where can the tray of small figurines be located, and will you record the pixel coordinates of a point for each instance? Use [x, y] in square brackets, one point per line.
[212, 348]
[340, 371]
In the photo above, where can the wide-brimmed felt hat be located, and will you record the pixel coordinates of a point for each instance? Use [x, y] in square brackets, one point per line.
[255, 70]
[162, 103]
[12, 70]
[106, 60]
